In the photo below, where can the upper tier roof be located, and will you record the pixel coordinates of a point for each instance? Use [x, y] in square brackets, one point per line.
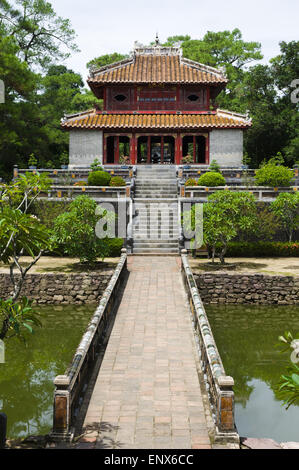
[157, 65]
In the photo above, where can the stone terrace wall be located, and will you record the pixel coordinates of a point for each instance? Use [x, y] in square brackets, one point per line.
[240, 288]
[61, 288]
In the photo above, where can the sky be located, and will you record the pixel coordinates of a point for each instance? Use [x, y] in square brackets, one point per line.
[108, 26]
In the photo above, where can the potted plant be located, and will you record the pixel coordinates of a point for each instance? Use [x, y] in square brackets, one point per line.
[64, 160]
[124, 161]
[32, 162]
[186, 160]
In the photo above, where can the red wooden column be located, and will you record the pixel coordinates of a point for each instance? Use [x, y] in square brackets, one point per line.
[149, 139]
[194, 149]
[133, 149]
[207, 156]
[104, 149]
[178, 149]
[162, 148]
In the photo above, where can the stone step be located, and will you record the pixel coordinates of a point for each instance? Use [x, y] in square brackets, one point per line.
[156, 180]
[155, 241]
[157, 196]
[156, 191]
[156, 187]
[154, 251]
[155, 234]
[164, 222]
[165, 199]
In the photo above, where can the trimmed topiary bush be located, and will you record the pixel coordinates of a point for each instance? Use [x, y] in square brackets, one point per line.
[212, 178]
[273, 175]
[191, 182]
[99, 178]
[117, 181]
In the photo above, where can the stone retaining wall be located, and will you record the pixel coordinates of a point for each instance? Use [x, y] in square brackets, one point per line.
[239, 288]
[61, 288]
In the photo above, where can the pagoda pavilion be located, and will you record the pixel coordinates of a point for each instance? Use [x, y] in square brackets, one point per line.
[158, 107]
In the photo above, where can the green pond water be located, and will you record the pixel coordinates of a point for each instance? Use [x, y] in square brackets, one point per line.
[26, 378]
[246, 338]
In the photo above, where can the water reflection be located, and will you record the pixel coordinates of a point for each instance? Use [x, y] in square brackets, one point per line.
[246, 338]
[26, 379]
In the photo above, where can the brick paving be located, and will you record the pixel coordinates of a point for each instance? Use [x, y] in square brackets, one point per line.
[147, 393]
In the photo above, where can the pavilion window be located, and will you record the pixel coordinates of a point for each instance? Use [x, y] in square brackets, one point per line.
[117, 146]
[195, 146]
[120, 98]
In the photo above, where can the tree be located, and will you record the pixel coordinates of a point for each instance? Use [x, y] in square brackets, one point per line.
[74, 230]
[226, 214]
[223, 49]
[37, 30]
[105, 59]
[61, 92]
[33, 37]
[267, 94]
[20, 234]
[286, 209]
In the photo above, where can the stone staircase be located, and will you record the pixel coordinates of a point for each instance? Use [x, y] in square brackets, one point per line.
[155, 229]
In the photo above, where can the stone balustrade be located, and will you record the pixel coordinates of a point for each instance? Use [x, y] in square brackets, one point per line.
[262, 193]
[70, 385]
[219, 385]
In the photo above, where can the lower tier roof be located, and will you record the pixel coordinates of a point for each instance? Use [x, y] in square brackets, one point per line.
[95, 120]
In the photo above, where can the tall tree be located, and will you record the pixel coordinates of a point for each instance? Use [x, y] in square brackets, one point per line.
[41, 35]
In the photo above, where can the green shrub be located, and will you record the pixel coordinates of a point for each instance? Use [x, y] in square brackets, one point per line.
[114, 246]
[80, 183]
[262, 249]
[286, 208]
[212, 178]
[273, 175]
[47, 210]
[75, 230]
[117, 181]
[191, 182]
[99, 178]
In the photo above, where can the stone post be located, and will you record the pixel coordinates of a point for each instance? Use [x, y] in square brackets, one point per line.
[62, 408]
[15, 171]
[226, 429]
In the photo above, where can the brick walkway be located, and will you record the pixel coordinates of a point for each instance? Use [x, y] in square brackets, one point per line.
[147, 394]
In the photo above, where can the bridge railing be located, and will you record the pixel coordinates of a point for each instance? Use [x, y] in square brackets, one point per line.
[68, 387]
[218, 384]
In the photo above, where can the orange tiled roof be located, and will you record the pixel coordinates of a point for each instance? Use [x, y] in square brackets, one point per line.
[157, 69]
[94, 120]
